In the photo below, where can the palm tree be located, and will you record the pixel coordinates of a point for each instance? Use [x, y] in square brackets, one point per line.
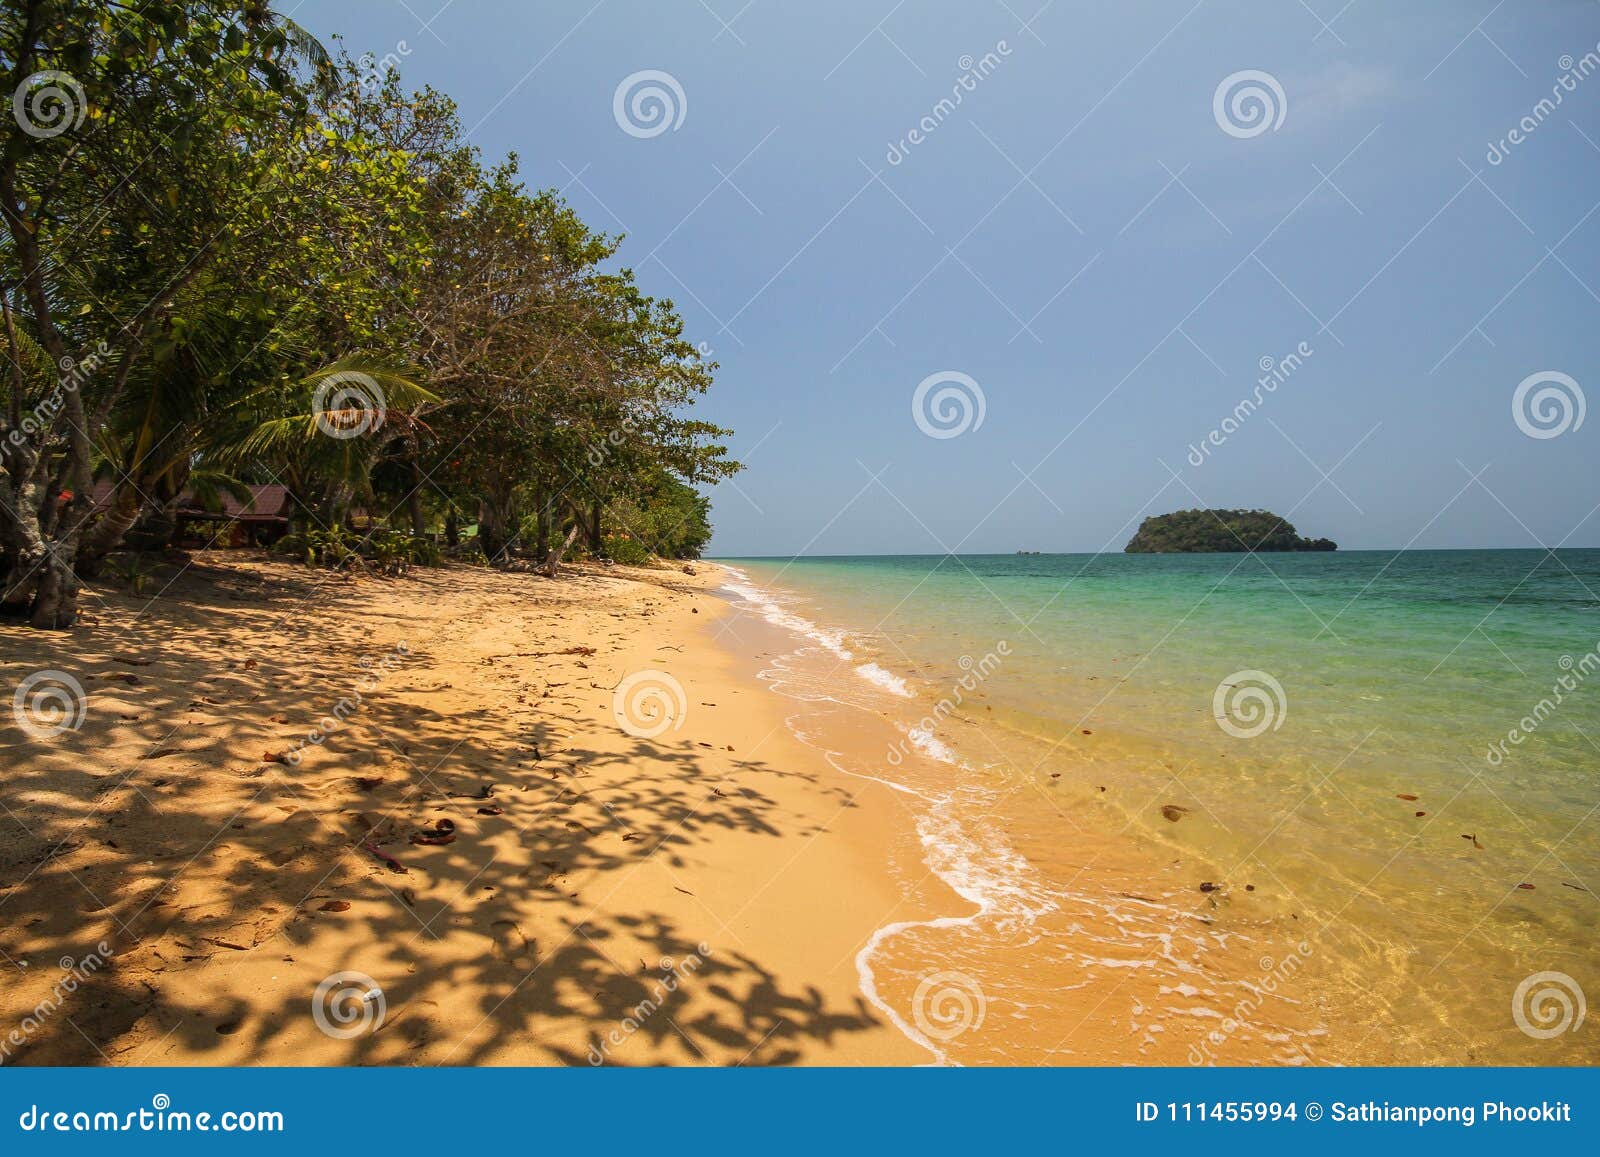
[340, 420]
[180, 430]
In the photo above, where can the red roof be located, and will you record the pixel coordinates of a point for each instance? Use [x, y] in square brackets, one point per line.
[267, 503]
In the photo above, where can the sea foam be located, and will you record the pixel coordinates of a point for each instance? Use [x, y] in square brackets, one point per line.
[973, 860]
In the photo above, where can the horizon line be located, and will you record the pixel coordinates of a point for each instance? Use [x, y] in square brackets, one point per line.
[1063, 553]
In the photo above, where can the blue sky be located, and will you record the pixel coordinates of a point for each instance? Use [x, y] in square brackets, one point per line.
[1084, 239]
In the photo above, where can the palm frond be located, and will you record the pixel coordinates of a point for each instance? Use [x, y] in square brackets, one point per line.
[306, 50]
[208, 485]
[340, 414]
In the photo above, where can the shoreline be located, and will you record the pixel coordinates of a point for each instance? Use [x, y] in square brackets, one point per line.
[765, 645]
[1080, 934]
[784, 867]
[1129, 908]
[697, 896]
[855, 728]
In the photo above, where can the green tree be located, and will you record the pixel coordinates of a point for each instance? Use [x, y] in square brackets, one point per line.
[149, 153]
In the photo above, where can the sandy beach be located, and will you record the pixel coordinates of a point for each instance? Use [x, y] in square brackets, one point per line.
[181, 873]
[632, 816]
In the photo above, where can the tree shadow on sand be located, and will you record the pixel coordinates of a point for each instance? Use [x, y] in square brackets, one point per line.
[227, 888]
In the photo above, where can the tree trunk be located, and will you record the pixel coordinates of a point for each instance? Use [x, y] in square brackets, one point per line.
[553, 563]
[157, 528]
[16, 596]
[105, 535]
[596, 542]
[55, 603]
[497, 526]
[452, 529]
[419, 518]
[42, 581]
[336, 507]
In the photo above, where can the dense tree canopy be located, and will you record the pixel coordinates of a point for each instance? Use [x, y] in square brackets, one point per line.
[230, 257]
[1219, 532]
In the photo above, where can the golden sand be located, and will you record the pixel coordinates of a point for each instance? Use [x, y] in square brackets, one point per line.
[698, 896]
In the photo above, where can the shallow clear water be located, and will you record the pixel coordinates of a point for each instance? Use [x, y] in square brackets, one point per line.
[1284, 705]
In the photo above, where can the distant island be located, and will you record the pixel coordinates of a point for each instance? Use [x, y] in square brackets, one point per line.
[1219, 531]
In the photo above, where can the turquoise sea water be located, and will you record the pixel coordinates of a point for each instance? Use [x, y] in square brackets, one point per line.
[1285, 704]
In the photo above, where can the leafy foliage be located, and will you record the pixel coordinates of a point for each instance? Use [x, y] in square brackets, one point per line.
[1219, 531]
[391, 552]
[231, 222]
[661, 517]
